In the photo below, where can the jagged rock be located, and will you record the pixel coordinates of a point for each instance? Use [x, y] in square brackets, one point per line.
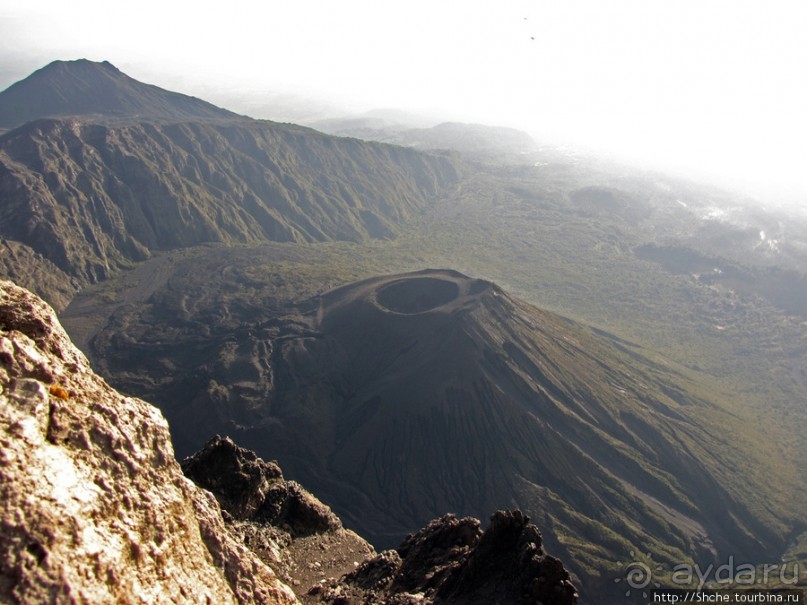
[451, 561]
[253, 490]
[287, 527]
[378, 572]
[428, 554]
[93, 505]
[508, 565]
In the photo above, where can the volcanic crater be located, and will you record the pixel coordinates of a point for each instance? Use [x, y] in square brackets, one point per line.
[416, 295]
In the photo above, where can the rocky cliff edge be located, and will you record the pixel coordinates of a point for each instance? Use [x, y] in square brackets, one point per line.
[93, 505]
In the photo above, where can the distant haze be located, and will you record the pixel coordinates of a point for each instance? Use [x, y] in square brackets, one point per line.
[713, 87]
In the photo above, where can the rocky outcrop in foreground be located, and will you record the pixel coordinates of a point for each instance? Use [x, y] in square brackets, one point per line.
[287, 527]
[93, 506]
[452, 561]
[449, 561]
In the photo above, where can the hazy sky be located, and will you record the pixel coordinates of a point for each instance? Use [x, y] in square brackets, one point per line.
[717, 85]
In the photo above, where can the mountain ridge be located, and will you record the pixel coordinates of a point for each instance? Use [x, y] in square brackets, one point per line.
[93, 197]
[477, 141]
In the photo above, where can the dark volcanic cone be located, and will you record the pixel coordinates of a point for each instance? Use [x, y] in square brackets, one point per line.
[400, 398]
[432, 391]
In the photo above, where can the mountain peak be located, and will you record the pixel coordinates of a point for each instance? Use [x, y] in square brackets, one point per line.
[60, 64]
[98, 90]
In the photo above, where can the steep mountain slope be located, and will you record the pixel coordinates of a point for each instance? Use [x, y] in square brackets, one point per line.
[99, 90]
[398, 397]
[25, 266]
[93, 506]
[93, 197]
